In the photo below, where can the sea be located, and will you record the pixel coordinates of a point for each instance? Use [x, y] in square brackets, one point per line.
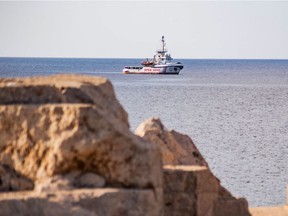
[235, 111]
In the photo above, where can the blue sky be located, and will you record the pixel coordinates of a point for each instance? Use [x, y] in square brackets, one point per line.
[95, 29]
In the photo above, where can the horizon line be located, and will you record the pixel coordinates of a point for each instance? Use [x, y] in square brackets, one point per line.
[43, 57]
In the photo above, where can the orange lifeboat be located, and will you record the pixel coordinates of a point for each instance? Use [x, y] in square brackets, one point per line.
[147, 63]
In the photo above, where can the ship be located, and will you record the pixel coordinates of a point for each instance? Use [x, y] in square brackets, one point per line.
[162, 63]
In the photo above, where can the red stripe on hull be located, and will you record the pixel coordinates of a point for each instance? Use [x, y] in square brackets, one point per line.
[151, 73]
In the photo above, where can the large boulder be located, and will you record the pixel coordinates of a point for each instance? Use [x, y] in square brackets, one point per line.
[194, 190]
[56, 139]
[176, 148]
[189, 186]
[59, 89]
[60, 124]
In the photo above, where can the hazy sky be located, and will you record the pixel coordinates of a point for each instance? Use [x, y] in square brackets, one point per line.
[134, 29]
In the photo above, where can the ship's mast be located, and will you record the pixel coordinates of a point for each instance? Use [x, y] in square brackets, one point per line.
[163, 44]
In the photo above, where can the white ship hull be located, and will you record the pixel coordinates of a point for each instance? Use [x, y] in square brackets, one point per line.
[157, 69]
[161, 64]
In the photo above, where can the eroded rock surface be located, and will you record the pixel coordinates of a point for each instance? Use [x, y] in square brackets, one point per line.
[55, 125]
[70, 89]
[56, 139]
[189, 186]
[194, 190]
[85, 202]
[176, 148]
[10, 180]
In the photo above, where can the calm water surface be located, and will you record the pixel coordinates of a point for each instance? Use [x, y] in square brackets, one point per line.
[234, 110]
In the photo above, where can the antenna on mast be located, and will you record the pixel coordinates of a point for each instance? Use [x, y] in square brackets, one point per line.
[163, 43]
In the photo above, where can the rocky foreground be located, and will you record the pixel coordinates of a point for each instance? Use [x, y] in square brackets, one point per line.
[66, 149]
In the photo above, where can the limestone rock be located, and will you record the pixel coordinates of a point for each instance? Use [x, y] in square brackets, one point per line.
[176, 148]
[88, 202]
[56, 183]
[232, 206]
[194, 190]
[90, 180]
[10, 180]
[70, 181]
[69, 89]
[55, 125]
[57, 139]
